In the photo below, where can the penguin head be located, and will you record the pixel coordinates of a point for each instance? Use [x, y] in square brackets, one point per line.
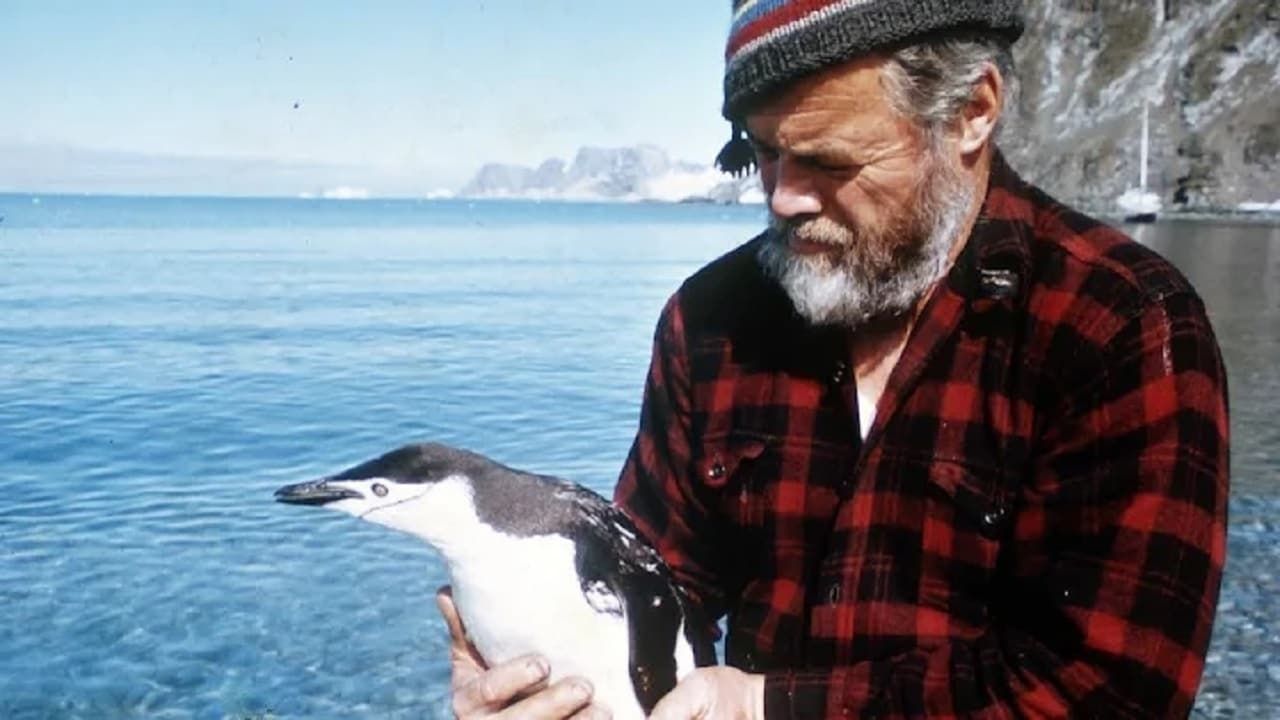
[425, 490]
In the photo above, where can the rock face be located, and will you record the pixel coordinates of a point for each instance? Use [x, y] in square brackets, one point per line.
[1211, 71]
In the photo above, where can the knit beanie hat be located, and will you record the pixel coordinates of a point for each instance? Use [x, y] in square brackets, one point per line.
[775, 42]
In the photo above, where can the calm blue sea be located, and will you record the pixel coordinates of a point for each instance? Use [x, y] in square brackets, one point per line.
[165, 364]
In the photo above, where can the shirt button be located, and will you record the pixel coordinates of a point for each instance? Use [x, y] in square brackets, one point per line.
[840, 373]
[717, 470]
[833, 593]
[994, 517]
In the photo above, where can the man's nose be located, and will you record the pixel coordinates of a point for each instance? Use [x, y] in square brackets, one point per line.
[793, 192]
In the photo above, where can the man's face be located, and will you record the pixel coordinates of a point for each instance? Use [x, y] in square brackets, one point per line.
[864, 206]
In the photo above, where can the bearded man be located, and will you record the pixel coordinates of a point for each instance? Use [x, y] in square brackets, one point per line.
[935, 444]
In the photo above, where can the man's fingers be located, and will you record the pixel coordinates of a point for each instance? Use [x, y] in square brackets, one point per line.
[561, 700]
[687, 701]
[494, 689]
[444, 601]
[463, 656]
[592, 712]
[515, 689]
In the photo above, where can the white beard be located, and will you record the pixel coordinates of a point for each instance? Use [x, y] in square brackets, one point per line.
[841, 293]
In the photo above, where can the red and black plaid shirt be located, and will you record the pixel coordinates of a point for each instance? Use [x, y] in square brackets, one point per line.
[1035, 523]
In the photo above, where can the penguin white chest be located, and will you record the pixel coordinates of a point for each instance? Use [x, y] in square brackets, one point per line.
[519, 595]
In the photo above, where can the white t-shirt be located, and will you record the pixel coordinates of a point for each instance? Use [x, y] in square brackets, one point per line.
[866, 414]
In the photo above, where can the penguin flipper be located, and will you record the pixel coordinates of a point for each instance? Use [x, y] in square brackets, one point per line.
[643, 591]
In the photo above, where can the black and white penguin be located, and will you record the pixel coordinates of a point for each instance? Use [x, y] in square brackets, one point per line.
[537, 564]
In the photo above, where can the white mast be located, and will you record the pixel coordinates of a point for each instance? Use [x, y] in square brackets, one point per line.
[1142, 181]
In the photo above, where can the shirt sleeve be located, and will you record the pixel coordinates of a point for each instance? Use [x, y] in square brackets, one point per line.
[655, 488]
[1124, 523]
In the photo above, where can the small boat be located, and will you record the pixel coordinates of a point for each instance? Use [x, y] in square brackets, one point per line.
[1139, 204]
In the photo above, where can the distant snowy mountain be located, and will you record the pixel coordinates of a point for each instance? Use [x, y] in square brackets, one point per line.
[641, 173]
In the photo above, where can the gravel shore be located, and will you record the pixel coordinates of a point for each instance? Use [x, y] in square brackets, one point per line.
[1242, 676]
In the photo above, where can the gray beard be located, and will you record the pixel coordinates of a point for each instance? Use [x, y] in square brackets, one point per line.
[865, 286]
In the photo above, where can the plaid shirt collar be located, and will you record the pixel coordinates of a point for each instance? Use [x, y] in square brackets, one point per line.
[996, 261]
[988, 281]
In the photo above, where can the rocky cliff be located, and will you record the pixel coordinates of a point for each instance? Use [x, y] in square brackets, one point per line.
[1209, 68]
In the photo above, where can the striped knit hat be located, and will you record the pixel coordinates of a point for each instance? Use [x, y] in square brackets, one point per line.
[774, 42]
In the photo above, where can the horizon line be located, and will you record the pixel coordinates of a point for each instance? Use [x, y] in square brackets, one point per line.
[38, 195]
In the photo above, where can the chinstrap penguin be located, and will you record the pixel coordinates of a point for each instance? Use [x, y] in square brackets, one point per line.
[537, 564]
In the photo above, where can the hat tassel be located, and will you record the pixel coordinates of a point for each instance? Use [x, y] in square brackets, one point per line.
[737, 158]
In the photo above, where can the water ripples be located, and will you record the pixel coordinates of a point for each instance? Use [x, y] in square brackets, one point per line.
[157, 384]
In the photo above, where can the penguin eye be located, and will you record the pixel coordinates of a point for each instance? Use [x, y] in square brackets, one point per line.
[379, 489]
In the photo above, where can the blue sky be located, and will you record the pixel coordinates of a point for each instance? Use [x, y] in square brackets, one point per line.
[398, 97]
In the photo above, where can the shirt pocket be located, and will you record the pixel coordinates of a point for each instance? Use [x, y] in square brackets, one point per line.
[963, 518]
[971, 498]
[729, 467]
[921, 532]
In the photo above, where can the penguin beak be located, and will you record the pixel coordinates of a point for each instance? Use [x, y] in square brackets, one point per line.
[319, 492]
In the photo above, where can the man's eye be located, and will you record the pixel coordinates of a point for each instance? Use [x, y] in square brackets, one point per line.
[828, 165]
[379, 489]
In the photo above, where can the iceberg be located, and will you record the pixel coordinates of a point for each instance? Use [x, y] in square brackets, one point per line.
[345, 192]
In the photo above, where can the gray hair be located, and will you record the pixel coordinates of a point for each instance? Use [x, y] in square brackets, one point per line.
[930, 82]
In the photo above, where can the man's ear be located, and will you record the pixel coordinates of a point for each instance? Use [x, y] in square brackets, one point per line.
[980, 116]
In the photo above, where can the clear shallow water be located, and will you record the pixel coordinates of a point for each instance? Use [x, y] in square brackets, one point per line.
[166, 364]
[1236, 268]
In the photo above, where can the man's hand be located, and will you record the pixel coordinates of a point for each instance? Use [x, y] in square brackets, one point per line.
[714, 693]
[514, 689]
